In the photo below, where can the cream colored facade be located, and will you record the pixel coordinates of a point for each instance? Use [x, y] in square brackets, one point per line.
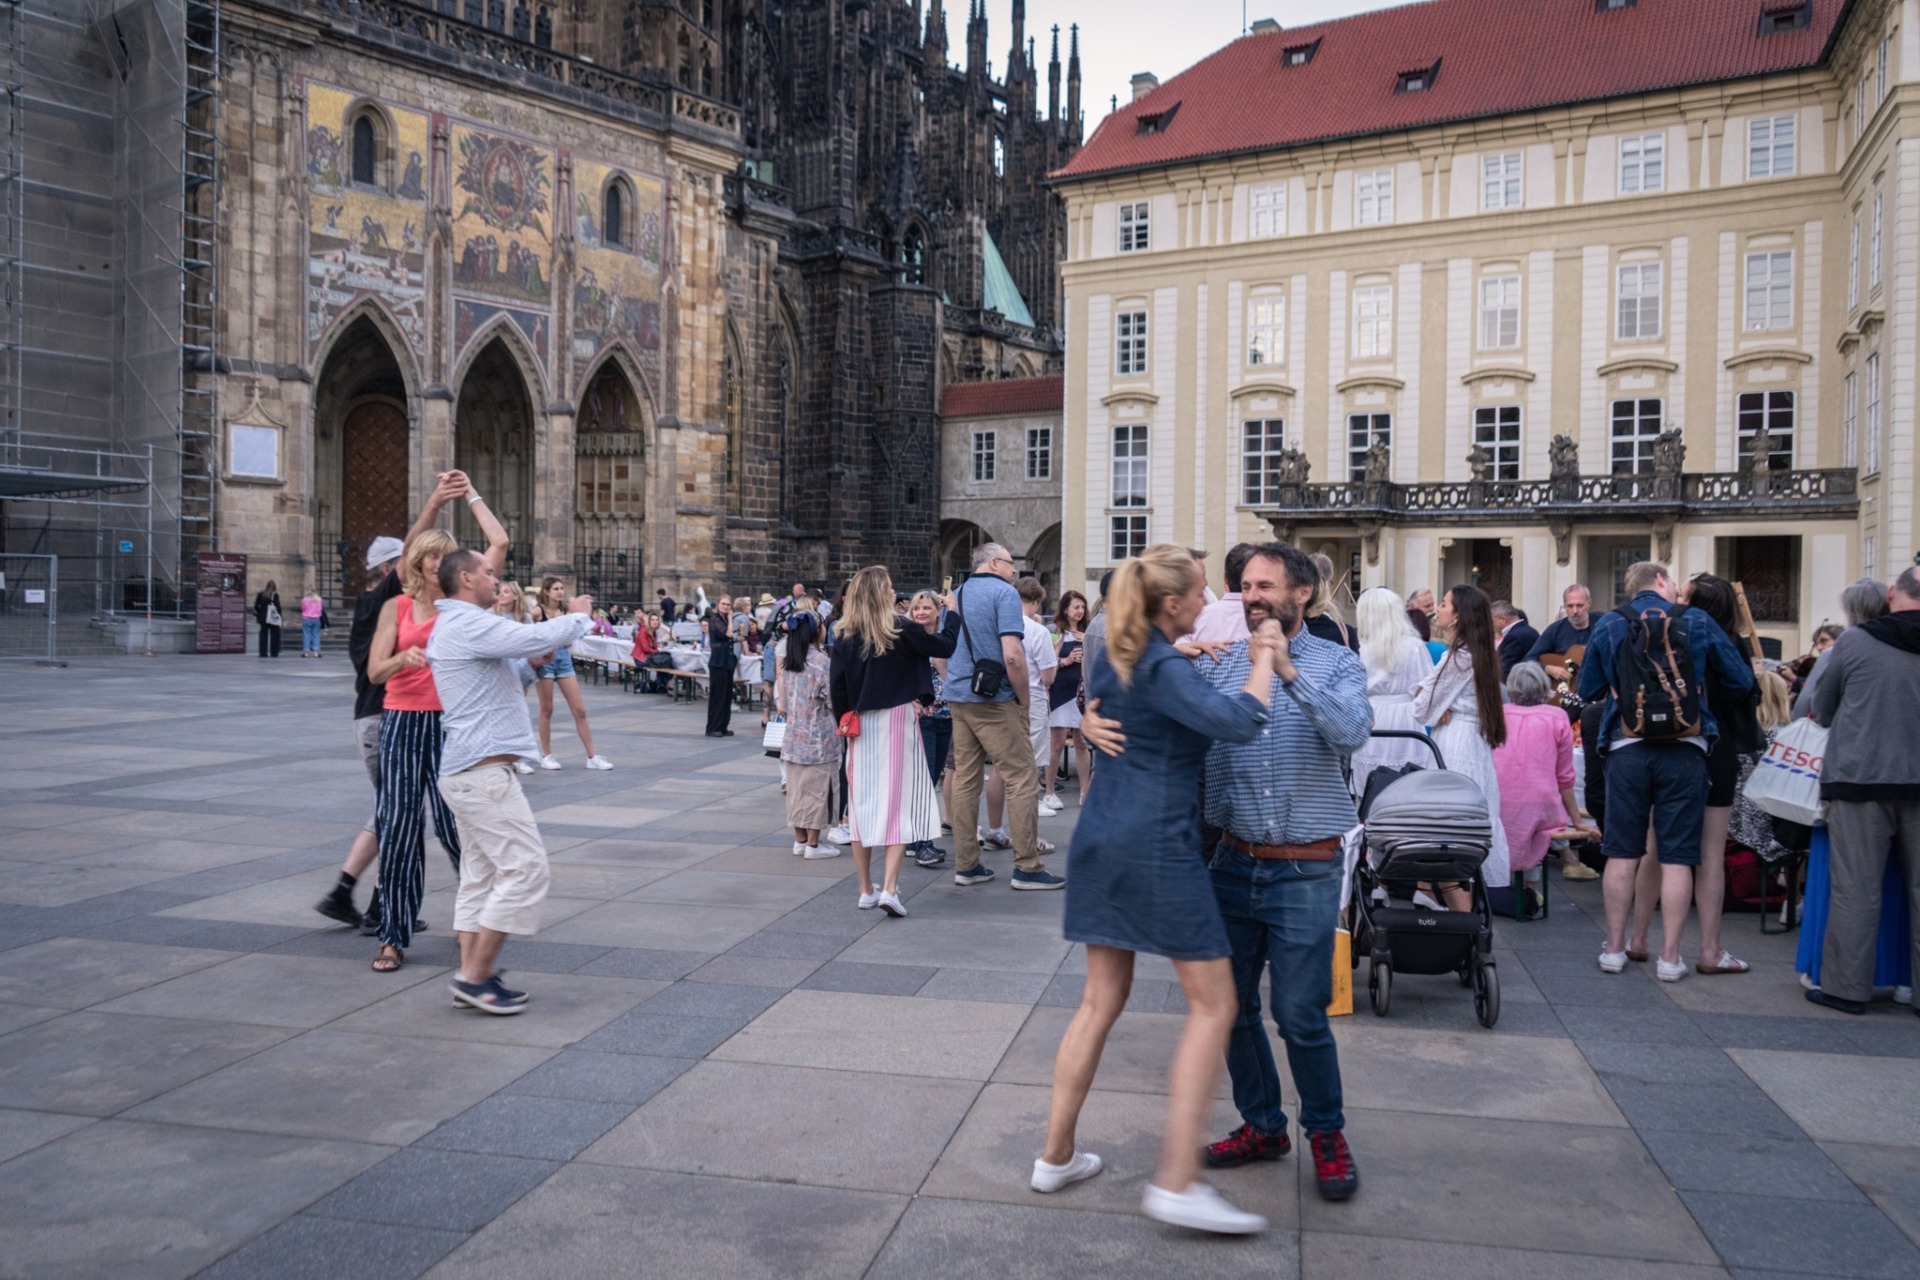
[1504, 282]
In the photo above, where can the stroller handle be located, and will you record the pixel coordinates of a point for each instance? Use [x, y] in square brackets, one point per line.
[1416, 735]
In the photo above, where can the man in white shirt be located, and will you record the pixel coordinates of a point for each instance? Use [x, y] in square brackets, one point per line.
[1043, 661]
[1225, 621]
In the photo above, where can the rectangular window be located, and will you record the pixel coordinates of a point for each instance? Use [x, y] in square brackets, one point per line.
[1643, 163]
[1636, 424]
[1499, 313]
[1039, 453]
[1770, 290]
[1496, 429]
[1364, 430]
[1880, 73]
[1637, 316]
[1850, 406]
[1130, 343]
[1266, 329]
[1373, 198]
[1373, 321]
[1873, 413]
[1873, 242]
[1869, 558]
[1860, 108]
[1770, 146]
[1771, 412]
[1267, 211]
[1127, 537]
[1500, 180]
[1262, 443]
[1130, 465]
[1853, 263]
[1133, 227]
[985, 446]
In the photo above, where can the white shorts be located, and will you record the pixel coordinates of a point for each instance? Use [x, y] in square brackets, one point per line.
[1037, 729]
[503, 864]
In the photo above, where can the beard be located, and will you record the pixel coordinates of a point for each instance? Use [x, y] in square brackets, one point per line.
[1286, 613]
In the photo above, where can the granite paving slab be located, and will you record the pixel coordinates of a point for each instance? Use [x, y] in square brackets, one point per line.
[98, 1064]
[896, 1034]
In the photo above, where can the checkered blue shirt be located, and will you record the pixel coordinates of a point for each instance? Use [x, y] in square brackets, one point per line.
[1289, 784]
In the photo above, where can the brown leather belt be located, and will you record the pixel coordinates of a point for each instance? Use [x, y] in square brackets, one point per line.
[1317, 851]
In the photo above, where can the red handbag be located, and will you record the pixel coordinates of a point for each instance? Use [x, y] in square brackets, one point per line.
[849, 725]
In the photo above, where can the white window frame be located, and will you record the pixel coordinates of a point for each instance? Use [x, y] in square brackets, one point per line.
[1373, 322]
[1873, 414]
[1874, 239]
[1362, 430]
[986, 456]
[1128, 470]
[1772, 146]
[1266, 329]
[1853, 262]
[1869, 556]
[1039, 453]
[1643, 163]
[1637, 314]
[1850, 407]
[1136, 226]
[1126, 536]
[1860, 108]
[1373, 197]
[1503, 181]
[1645, 415]
[1880, 73]
[1262, 442]
[1130, 344]
[1500, 313]
[1754, 410]
[1267, 211]
[1499, 429]
[1768, 279]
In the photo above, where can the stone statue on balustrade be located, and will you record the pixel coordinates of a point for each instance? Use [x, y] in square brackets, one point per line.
[1563, 475]
[1379, 461]
[1669, 454]
[1294, 466]
[1758, 467]
[1479, 472]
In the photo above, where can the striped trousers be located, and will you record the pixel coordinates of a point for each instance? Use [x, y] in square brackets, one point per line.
[409, 785]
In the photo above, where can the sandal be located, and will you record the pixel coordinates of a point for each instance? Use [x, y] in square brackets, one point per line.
[389, 960]
[1638, 957]
[1727, 963]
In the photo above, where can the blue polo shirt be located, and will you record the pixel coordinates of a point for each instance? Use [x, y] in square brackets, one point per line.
[989, 609]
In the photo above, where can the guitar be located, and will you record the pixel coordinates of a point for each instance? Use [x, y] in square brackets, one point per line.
[1564, 670]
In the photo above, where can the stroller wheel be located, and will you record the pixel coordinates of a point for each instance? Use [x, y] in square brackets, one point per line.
[1486, 995]
[1380, 987]
[1466, 973]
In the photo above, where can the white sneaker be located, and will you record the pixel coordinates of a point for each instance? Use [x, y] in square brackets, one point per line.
[521, 766]
[1052, 1177]
[1050, 806]
[819, 851]
[1669, 972]
[840, 834]
[1613, 962]
[1201, 1208]
[599, 762]
[548, 762]
[996, 838]
[799, 850]
[868, 901]
[891, 904]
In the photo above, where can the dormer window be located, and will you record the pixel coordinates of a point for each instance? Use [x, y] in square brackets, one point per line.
[1299, 55]
[1157, 122]
[1778, 18]
[1604, 6]
[1417, 81]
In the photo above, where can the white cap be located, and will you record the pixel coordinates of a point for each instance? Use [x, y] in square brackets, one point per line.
[383, 549]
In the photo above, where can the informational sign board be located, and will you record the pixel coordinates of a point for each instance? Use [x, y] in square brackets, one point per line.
[221, 620]
[126, 546]
[34, 595]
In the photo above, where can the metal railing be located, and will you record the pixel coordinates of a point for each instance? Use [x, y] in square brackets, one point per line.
[29, 607]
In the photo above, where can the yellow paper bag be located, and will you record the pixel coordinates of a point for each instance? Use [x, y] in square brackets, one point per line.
[1342, 1002]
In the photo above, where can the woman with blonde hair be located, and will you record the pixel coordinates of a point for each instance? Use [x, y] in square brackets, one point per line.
[511, 601]
[880, 677]
[410, 735]
[558, 670]
[1396, 660]
[1137, 884]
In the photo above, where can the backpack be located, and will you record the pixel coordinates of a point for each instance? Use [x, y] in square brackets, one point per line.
[1653, 685]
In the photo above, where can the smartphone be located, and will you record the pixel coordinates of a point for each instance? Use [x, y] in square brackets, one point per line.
[946, 585]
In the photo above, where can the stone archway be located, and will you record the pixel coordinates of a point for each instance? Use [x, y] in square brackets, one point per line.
[1043, 562]
[361, 436]
[954, 552]
[610, 498]
[493, 444]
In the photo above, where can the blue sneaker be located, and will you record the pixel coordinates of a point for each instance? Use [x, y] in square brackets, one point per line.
[928, 854]
[488, 997]
[979, 875]
[1037, 880]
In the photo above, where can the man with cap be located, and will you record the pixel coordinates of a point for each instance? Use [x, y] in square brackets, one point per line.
[383, 584]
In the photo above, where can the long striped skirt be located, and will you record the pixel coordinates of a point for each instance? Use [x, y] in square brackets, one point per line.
[890, 799]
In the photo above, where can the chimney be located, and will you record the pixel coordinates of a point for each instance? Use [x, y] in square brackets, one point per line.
[1263, 27]
[1144, 83]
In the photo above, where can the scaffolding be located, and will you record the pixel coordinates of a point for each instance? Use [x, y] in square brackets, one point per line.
[199, 293]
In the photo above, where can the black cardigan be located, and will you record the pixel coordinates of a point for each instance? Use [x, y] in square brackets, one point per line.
[861, 681]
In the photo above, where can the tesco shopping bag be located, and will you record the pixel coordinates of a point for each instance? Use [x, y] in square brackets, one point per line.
[1786, 781]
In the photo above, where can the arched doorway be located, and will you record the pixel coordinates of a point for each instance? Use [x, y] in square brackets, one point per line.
[958, 538]
[610, 507]
[493, 444]
[361, 452]
[1043, 562]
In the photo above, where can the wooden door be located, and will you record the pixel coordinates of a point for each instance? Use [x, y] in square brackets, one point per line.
[373, 486]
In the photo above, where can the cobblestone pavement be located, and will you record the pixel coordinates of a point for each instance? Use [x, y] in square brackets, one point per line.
[728, 1070]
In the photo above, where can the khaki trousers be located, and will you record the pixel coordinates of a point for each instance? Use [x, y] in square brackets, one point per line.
[997, 732]
[503, 864]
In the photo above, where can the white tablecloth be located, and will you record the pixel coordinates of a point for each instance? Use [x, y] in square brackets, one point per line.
[604, 649]
[623, 631]
[689, 660]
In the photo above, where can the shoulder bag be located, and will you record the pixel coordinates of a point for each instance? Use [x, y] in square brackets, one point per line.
[989, 674]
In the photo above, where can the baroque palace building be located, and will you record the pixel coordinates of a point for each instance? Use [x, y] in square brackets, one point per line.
[1513, 292]
[677, 282]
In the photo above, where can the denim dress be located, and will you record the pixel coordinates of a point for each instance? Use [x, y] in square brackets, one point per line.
[1137, 876]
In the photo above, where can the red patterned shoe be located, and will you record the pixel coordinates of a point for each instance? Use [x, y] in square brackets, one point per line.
[1333, 1165]
[1246, 1145]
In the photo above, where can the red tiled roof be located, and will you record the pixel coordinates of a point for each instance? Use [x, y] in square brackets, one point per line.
[1496, 56]
[1002, 395]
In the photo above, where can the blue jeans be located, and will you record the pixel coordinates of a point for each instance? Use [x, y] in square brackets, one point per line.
[309, 635]
[936, 739]
[1281, 914]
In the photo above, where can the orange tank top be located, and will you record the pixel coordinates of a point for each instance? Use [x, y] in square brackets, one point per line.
[412, 688]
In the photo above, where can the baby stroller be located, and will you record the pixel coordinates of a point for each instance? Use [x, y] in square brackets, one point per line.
[1424, 826]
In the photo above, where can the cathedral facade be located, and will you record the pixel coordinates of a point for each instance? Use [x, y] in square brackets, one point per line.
[677, 282]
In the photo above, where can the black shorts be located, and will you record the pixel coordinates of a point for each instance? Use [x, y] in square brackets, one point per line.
[1723, 774]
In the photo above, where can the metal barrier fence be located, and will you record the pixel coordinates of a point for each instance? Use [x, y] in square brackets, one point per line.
[29, 607]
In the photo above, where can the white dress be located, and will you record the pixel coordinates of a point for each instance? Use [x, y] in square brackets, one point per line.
[1449, 688]
[1390, 689]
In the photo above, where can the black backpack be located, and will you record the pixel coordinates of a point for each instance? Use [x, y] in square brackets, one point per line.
[1653, 684]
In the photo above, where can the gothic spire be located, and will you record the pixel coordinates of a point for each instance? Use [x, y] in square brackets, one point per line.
[1073, 77]
[1053, 77]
